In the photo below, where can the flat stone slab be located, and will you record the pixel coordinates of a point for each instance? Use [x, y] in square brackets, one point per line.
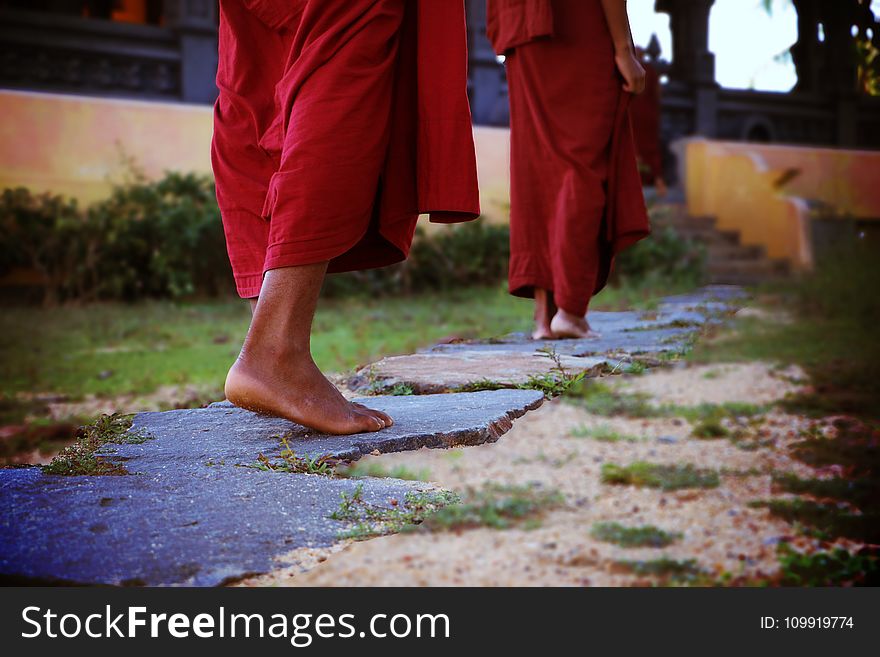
[210, 526]
[513, 359]
[191, 511]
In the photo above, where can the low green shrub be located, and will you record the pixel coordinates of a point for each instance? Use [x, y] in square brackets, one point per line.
[164, 239]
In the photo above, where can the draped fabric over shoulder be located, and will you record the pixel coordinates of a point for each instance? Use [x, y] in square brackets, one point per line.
[336, 125]
[576, 198]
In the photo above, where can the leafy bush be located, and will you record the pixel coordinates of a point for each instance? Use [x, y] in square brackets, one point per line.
[475, 253]
[665, 255]
[165, 239]
[149, 239]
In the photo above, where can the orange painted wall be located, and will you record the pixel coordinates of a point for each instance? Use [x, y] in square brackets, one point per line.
[78, 146]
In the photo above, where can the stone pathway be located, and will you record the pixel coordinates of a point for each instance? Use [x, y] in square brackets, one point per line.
[197, 508]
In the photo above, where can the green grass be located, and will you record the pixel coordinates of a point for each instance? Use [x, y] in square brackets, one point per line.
[603, 434]
[493, 506]
[666, 570]
[662, 476]
[832, 335]
[376, 469]
[835, 568]
[633, 537]
[113, 349]
[80, 457]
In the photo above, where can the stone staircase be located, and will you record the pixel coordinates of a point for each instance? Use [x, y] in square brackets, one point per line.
[729, 261]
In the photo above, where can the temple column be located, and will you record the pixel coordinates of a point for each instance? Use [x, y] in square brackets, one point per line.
[195, 22]
[693, 64]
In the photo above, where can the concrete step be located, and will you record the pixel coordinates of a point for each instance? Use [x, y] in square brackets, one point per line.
[724, 251]
[746, 272]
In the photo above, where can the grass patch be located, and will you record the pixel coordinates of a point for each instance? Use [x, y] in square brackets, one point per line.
[80, 458]
[368, 520]
[375, 469]
[497, 507]
[603, 434]
[710, 429]
[836, 568]
[633, 537]
[479, 385]
[600, 399]
[112, 349]
[289, 461]
[861, 492]
[395, 390]
[662, 476]
[667, 571]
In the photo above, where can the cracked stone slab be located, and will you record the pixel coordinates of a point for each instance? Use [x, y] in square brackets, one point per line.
[184, 440]
[513, 359]
[192, 513]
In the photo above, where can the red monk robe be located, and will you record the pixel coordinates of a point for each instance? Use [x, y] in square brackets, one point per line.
[576, 198]
[337, 124]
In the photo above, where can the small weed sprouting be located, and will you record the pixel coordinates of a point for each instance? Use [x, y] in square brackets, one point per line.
[80, 458]
[635, 368]
[633, 537]
[557, 381]
[369, 520]
[290, 462]
[656, 475]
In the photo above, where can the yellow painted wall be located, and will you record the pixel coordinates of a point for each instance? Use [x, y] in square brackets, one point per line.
[761, 191]
[77, 146]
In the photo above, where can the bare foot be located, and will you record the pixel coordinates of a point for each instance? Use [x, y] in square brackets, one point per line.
[566, 325]
[295, 389]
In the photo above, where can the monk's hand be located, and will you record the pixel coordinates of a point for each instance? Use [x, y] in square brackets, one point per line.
[631, 70]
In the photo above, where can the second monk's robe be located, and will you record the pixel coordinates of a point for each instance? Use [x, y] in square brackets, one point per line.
[576, 197]
[337, 123]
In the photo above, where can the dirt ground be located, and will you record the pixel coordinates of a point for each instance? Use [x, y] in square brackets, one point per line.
[717, 527]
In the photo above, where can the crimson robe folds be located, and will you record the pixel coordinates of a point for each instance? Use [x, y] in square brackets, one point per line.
[576, 198]
[336, 125]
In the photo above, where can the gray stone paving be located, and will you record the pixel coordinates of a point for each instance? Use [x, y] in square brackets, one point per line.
[192, 512]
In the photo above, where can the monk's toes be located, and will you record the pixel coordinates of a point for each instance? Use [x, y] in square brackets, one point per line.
[386, 419]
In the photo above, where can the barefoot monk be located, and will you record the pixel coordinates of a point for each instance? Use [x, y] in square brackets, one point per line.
[337, 123]
[575, 198]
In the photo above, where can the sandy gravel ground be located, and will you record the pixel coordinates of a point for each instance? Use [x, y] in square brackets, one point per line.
[718, 528]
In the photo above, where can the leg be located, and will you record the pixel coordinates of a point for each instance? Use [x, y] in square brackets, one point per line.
[275, 373]
[544, 311]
